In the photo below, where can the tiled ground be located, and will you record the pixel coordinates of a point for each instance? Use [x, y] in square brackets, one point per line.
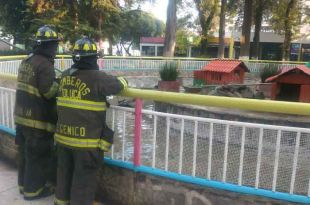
[9, 194]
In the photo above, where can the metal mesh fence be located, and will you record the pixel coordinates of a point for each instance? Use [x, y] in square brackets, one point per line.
[254, 155]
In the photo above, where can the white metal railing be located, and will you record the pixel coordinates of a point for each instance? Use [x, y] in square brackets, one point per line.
[11, 67]
[7, 102]
[263, 156]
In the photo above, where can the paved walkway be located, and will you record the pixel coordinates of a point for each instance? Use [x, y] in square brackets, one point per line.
[9, 194]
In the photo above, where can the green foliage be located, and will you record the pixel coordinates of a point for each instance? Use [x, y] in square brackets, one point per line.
[199, 83]
[12, 19]
[12, 52]
[182, 42]
[207, 11]
[169, 71]
[278, 18]
[136, 24]
[98, 19]
[268, 71]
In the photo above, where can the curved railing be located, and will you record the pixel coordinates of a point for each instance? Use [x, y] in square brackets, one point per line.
[251, 158]
[9, 65]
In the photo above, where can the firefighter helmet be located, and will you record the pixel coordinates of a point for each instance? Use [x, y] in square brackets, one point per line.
[84, 47]
[46, 34]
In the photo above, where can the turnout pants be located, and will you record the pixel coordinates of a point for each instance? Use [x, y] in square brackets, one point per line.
[36, 160]
[76, 175]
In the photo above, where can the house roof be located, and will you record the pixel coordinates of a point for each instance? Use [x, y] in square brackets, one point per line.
[225, 65]
[285, 70]
[153, 40]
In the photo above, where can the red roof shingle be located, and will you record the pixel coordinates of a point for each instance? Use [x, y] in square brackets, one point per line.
[225, 65]
[153, 40]
[286, 70]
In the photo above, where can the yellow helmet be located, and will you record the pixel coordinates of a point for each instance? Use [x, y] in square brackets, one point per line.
[46, 34]
[84, 47]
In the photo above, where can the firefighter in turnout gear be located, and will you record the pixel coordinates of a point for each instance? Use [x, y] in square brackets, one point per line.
[35, 116]
[81, 132]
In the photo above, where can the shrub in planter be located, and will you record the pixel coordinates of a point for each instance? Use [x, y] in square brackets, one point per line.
[169, 71]
[168, 75]
[268, 71]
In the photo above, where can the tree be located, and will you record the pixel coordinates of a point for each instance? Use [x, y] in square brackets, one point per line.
[258, 18]
[136, 24]
[98, 19]
[286, 19]
[207, 10]
[221, 50]
[246, 30]
[171, 26]
[288, 26]
[12, 19]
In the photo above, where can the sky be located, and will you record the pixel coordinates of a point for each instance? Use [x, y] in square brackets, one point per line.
[158, 8]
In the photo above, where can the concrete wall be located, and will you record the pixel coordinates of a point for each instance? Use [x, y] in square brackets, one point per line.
[123, 187]
[8, 149]
[235, 115]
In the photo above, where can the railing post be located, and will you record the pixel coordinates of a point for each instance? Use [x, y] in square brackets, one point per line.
[137, 137]
[62, 63]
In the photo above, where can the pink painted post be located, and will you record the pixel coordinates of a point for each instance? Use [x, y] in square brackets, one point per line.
[137, 137]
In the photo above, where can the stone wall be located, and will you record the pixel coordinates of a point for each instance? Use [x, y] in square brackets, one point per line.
[235, 115]
[8, 149]
[119, 186]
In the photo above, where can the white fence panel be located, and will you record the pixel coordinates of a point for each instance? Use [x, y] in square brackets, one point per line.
[263, 156]
[11, 67]
[7, 103]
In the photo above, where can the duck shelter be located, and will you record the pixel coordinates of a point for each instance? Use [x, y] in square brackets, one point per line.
[291, 84]
[222, 71]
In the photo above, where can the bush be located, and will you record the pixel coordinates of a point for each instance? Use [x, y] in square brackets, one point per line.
[169, 71]
[268, 71]
[199, 83]
[12, 52]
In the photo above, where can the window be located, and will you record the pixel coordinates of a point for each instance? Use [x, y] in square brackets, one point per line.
[148, 50]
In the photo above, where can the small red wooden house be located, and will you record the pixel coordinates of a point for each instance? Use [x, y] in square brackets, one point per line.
[292, 84]
[222, 71]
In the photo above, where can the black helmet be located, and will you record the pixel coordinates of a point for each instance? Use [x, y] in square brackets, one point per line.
[84, 47]
[46, 34]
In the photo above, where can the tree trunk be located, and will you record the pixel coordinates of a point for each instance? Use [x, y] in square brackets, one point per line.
[221, 50]
[288, 30]
[75, 14]
[127, 49]
[171, 25]
[258, 25]
[110, 47]
[100, 19]
[246, 30]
